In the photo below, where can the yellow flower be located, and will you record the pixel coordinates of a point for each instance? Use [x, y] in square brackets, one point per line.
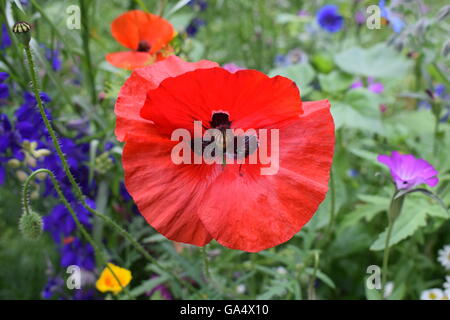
[107, 281]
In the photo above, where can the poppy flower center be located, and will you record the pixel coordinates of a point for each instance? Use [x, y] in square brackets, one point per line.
[226, 141]
[144, 46]
[220, 120]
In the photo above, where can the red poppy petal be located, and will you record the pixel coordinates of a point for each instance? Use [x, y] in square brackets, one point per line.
[166, 194]
[130, 60]
[252, 99]
[133, 93]
[248, 211]
[135, 25]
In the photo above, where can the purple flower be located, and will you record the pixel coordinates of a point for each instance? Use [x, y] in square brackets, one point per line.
[53, 285]
[194, 26]
[408, 171]
[232, 67]
[9, 139]
[60, 222]
[4, 91]
[375, 87]
[3, 76]
[29, 123]
[329, 18]
[303, 13]
[53, 56]
[281, 60]
[394, 19]
[200, 5]
[78, 253]
[2, 175]
[163, 290]
[81, 294]
[360, 17]
[5, 40]
[357, 84]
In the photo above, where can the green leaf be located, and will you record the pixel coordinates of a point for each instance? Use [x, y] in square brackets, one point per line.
[364, 101]
[302, 74]
[373, 294]
[379, 61]
[398, 292]
[180, 4]
[406, 224]
[366, 155]
[335, 81]
[347, 117]
[323, 62]
[148, 285]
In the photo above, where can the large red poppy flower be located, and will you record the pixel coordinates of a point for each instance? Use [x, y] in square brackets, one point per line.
[146, 34]
[233, 204]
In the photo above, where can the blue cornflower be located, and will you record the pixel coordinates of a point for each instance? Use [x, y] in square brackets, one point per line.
[194, 26]
[329, 18]
[78, 253]
[5, 40]
[54, 285]
[60, 222]
[395, 21]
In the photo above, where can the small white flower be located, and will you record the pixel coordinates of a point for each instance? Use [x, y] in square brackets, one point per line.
[281, 270]
[444, 257]
[241, 288]
[432, 294]
[447, 283]
[388, 288]
[446, 295]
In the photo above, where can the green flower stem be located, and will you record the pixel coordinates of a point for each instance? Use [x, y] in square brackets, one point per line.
[205, 263]
[332, 200]
[89, 70]
[75, 187]
[98, 252]
[312, 279]
[394, 211]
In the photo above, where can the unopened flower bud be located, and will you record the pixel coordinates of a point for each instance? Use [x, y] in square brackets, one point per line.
[30, 224]
[41, 153]
[21, 175]
[22, 30]
[14, 163]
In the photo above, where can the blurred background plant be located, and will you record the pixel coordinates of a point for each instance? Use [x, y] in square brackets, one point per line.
[389, 89]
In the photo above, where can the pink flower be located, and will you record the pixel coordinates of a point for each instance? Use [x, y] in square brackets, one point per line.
[408, 171]
[232, 67]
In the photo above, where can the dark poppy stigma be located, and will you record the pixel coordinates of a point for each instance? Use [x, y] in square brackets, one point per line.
[220, 120]
[144, 46]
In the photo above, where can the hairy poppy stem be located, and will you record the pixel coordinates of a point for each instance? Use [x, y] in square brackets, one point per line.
[99, 254]
[76, 188]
